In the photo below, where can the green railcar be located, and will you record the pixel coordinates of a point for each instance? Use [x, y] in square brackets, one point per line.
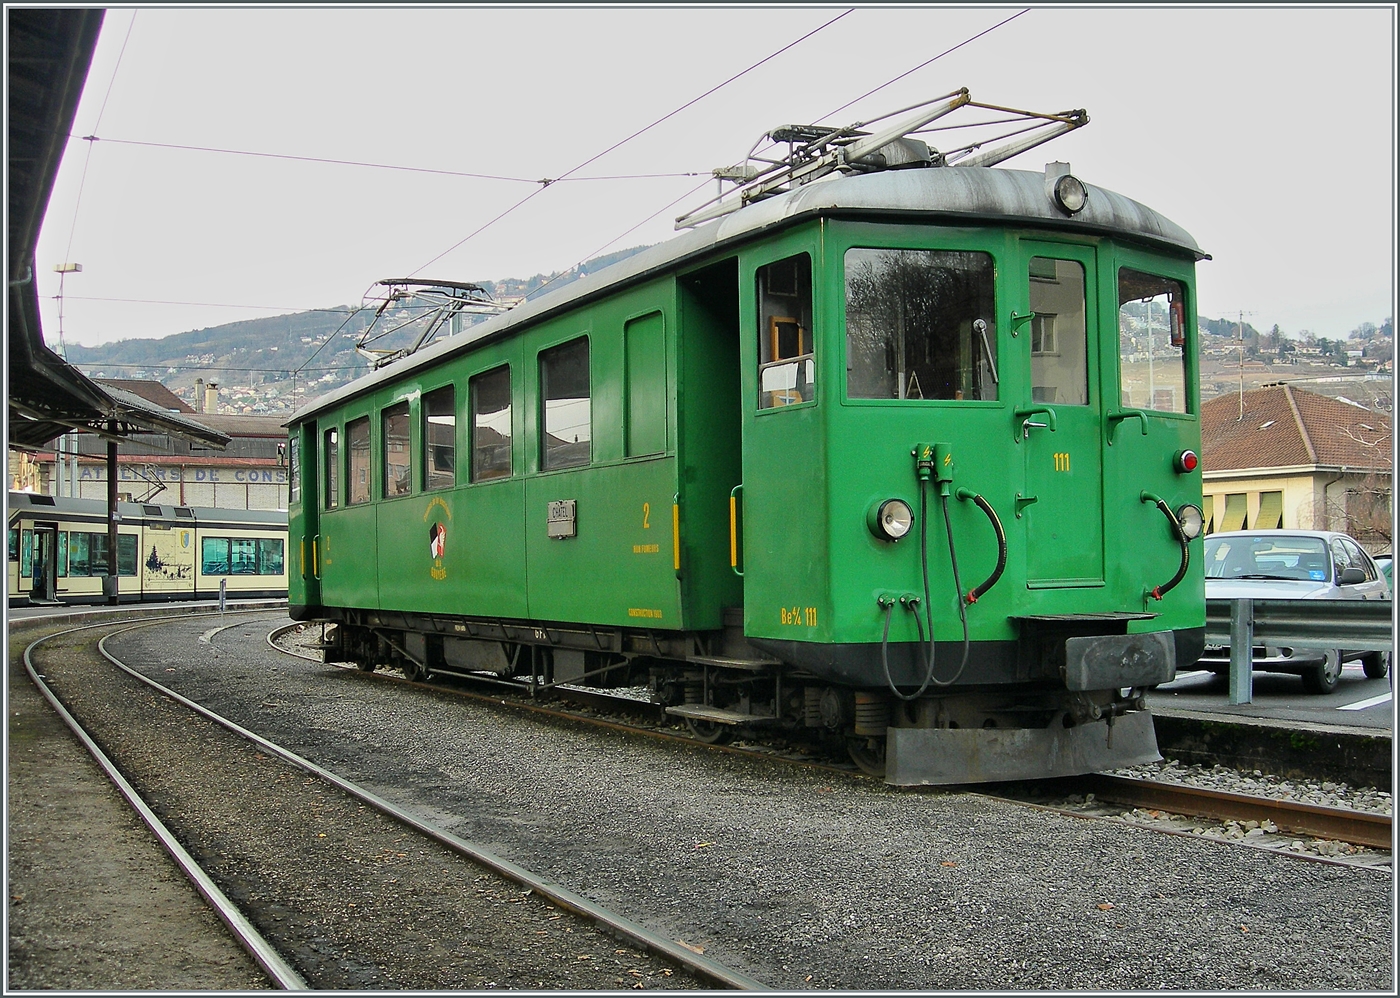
[903, 460]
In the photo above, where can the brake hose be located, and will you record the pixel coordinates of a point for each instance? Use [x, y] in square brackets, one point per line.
[986, 507]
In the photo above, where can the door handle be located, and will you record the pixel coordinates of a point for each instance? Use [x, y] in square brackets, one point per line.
[1025, 413]
[316, 557]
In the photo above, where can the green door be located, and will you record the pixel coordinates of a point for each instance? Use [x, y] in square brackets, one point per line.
[1058, 419]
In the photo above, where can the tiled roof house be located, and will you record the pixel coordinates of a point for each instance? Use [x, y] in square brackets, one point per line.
[1283, 457]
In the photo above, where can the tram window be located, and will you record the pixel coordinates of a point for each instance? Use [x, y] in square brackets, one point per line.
[126, 554]
[1151, 341]
[14, 544]
[398, 466]
[1060, 368]
[440, 438]
[293, 467]
[241, 555]
[787, 370]
[62, 553]
[332, 456]
[26, 553]
[920, 324]
[568, 406]
[357, 443]
[490, 415]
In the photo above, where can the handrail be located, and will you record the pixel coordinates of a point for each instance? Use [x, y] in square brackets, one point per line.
[734, 529]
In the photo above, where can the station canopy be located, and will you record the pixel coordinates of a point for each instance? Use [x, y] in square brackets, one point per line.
[50, 51]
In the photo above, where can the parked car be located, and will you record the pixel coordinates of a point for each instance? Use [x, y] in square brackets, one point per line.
[1383, 562]
[1293, 564]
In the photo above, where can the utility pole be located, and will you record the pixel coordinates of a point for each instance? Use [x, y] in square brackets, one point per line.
[1239, 332]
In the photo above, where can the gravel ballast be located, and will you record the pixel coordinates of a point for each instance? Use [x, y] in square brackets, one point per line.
[801, 878]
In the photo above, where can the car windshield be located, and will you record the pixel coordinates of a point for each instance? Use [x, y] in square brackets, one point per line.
[1267, 557]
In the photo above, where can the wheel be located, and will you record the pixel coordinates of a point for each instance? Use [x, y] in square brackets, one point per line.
[1322, 678]
[364, 665]
[1376, 664]
[868, 754]
[414, 672]
[709, 732]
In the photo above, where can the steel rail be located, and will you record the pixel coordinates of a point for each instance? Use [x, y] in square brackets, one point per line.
[262, 952]
[1362, 828]
[561, 896]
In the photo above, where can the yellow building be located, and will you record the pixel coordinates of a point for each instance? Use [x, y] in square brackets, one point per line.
[1297, 460]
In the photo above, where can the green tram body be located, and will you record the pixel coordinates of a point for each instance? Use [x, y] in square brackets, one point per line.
[732, 457]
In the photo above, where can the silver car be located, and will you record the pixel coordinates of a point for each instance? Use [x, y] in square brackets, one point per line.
[1293, 564]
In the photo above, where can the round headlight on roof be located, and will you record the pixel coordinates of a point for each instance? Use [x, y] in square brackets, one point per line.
[1192, 520]
[890, 520]
[1071, 194]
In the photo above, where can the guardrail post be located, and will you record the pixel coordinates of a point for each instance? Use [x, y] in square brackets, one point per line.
[1241, 651]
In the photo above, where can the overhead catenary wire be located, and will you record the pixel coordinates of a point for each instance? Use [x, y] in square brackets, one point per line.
[622, 142]
[292, 157]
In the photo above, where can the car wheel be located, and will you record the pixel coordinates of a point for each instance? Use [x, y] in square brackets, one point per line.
[1322, 678]
[1376, 664]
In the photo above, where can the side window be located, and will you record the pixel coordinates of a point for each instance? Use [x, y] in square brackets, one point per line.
[787, 370]
[1359, 558]
[26, 553]
[294, 466]
[126, 554]
[440, 438]
[332, 463]
[646, 385]
[568, 408]
[490, 420]
[79, 560]
[357, 443]
[1059, 354]
[1151, 341]
[270, 555]
[920, 324]
[14, 544]
[398, 466]
[1340, 559]
[62, 553]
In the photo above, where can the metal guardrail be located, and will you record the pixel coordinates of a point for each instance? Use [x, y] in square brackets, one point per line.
[1356, 625]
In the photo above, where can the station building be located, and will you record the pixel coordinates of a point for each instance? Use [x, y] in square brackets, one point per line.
[249, 473]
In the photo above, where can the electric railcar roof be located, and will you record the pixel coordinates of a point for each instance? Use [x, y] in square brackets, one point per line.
[951, 194]
[51, 507]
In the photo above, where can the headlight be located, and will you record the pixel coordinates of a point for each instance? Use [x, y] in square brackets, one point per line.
[1192, 520]
[890, 520]
[1071, 194]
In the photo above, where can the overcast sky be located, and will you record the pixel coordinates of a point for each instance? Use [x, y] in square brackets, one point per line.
[1267, 133]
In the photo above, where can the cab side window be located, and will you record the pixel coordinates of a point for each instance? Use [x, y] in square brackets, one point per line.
[787, 370]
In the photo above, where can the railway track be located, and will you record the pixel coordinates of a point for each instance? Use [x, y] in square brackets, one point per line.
[803, 878]
[266, 947]
[1154, 802]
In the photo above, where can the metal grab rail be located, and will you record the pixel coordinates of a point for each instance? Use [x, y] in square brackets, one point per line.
[1356, 625]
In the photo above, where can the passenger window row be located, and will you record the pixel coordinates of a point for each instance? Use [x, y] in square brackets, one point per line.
[566, 419]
